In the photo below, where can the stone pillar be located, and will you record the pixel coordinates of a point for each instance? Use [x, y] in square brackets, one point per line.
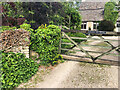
[21, 49]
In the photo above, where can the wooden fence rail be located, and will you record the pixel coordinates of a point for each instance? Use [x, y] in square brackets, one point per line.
[94, 32]
[91, 39]
[110, 46]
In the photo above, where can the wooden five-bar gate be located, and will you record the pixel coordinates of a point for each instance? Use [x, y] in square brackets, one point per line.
[99, 37]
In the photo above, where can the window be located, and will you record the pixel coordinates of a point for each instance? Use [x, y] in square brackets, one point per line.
[83, 26]
[118, 24]
[95, 25]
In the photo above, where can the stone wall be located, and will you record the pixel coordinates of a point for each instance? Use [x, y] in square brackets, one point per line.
[21, 49]
[16, 41]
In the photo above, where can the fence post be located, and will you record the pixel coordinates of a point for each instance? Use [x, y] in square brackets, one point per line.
[60, 43]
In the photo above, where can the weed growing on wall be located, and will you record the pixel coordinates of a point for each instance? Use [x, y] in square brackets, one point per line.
[3, 28]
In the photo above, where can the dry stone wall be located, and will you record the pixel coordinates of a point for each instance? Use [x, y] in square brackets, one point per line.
[15, 41]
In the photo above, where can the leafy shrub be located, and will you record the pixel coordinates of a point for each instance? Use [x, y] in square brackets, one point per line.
[16, 68]
[26, 27]
[3, 28]
[57, 59]
[42, 26]
[45, 41]
[106, 26]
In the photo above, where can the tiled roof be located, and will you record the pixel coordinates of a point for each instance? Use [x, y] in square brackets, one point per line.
[91, 5]
[92, 11]
[92, 15]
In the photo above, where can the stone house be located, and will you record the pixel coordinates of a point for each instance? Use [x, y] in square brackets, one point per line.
[92, 13]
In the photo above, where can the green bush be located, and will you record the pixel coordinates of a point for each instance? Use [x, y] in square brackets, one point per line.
[27, 27]
[16, 68]
[106, 26]
[24, 26]
[45, 41]
[3, 28]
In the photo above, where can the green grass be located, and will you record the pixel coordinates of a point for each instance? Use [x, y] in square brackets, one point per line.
[86, 42]
[102, 44]
[93, 64]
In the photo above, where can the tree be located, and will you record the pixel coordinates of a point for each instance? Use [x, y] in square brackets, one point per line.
[110, 13]
[118, 8]
[42, 13]
[38, 13]
[12, 14]
[106, 26]
[115, 1]
[56, 13]
[73, 17]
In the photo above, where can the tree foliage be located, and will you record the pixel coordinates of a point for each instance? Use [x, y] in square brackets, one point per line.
[12, 14]
[106, 26]
[38, 13]
[72, 18]
[52, 13]
[109, 12]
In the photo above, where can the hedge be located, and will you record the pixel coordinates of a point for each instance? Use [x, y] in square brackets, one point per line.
[45, 41]
[15, 69]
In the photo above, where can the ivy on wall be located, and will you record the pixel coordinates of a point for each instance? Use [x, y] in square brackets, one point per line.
[15, 69]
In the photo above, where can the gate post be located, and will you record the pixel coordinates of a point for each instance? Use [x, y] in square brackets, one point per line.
[59, 51]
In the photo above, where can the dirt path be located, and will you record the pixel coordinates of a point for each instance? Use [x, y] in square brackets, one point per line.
[92, 76]
[58, 75]
[73, 74]
[81, 75]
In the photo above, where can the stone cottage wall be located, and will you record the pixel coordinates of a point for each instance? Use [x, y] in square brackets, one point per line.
[16, 41]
